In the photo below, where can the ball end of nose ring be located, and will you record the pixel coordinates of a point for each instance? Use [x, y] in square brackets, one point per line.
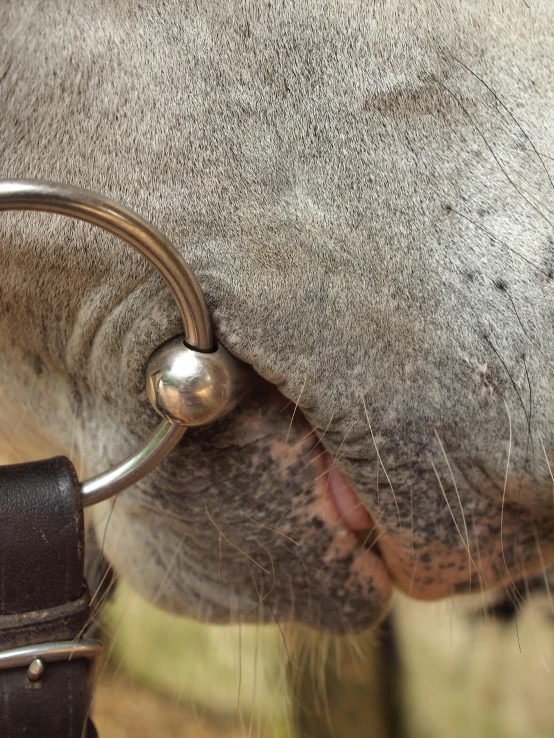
[189, 387]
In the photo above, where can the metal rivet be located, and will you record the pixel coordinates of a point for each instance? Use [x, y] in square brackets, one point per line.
[35, 670]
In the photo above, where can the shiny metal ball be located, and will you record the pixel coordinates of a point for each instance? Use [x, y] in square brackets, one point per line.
[189, 387]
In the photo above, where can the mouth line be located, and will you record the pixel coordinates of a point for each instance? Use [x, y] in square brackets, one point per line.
[354, 539]
[370, 540]
[346, 508]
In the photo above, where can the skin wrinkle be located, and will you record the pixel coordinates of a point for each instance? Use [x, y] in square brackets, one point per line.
[359, 190]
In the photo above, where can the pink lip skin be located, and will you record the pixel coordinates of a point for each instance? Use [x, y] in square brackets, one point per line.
[383, 555]
[339, 502]
[351, 511]
[353, 530]
[341, 508]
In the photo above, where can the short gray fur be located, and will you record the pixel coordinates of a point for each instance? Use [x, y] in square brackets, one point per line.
[369, 223]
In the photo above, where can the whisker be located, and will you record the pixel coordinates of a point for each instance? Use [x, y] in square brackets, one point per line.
[165, 577]
[512, 116]
[512, 380]
[254, 683]
[110, 513]
[283, 515]
[489, 233]
[220, 547]
[313, 458]
[212, 521]
[383, 467]
[374, 541]
[239, 685]
[459, 503]
[328, 471]
[295, 409]
[451, 511]
[320, 438]
[270, 590]
[504, 496]
[109, 570]
[412, 521]
[530, 199]
[482, 577]
[549, 468]
[504, 289]
[311, 432]
[269, 527]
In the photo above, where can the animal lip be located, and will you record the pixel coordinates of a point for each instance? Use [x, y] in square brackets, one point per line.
[365, 583]
[347, 509]
[349, 506]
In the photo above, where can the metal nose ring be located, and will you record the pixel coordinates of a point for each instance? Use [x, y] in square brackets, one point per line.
[192, 380]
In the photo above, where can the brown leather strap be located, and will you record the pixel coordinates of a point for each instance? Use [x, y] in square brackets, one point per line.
[43, 598]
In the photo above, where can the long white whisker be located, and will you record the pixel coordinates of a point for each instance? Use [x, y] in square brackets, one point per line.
[549, 468]
[383, 466]
[294, 411]
[452, 513]
[459, 499]
[504, 496]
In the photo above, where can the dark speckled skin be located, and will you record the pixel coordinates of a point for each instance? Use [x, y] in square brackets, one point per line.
[363, 190]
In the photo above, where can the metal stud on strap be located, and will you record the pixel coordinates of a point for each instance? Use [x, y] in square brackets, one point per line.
[36, 656]
[192, 380]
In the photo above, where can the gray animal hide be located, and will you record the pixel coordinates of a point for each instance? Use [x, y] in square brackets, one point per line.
[363, 190]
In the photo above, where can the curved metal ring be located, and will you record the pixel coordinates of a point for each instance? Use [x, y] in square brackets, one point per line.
[75, 202]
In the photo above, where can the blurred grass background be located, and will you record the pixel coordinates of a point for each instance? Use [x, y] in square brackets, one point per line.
[220, 678]
[461, 675]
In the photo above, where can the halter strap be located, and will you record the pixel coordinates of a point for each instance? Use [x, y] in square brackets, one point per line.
[44, 602]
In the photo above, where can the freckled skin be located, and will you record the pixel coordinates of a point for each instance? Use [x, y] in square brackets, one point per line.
[372, 230]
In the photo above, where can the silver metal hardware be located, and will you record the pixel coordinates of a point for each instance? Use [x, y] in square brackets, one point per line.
[193, 388]
[75, 202]
[35, 670]
[136, 466]
[189, 384]
[49, 653]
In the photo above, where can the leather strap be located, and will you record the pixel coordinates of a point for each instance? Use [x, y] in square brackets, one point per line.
[43, 598]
